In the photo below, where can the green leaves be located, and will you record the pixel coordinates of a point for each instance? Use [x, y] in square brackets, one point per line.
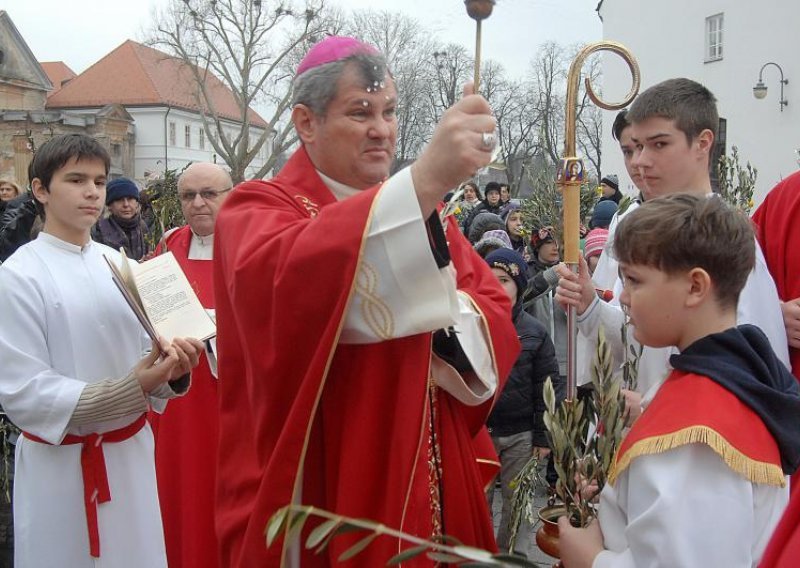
[445, 549]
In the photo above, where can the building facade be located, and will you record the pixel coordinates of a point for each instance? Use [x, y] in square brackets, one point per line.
[723, 44]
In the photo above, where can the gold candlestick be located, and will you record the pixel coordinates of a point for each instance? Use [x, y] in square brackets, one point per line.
[570, 174]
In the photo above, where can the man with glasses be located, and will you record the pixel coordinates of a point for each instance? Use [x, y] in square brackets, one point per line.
[186, 436]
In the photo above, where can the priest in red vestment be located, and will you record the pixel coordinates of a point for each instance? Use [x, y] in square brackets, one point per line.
[187, 434]
[778, 232]
[362, 342]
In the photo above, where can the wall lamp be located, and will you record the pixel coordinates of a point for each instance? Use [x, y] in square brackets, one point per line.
[760, 90]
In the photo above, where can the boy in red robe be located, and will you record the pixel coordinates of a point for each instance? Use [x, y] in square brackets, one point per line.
[700, 480]
[361, 340]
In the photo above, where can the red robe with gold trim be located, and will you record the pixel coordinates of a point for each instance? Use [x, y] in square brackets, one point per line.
[305, 419]
[693, 409]
[187, 435]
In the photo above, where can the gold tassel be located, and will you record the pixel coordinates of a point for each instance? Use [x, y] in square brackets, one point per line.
[755, 471]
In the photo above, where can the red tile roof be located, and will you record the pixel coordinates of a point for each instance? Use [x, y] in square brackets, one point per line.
[136, 75]
[57, 72]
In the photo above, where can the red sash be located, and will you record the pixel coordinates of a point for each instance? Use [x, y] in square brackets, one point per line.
[93, 468]
[693, 409]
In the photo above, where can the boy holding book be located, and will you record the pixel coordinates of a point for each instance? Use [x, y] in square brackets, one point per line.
[77, 381]
[700, 480]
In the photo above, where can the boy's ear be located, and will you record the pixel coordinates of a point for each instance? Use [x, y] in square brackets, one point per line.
[700, 287]
[705, 142]
[40, 192]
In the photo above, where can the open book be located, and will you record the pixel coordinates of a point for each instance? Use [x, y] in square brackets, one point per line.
[160, 295]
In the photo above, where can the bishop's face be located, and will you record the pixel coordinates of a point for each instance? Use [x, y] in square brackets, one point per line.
[354, 142]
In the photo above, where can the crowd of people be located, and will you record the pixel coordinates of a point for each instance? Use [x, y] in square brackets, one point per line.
[399, 386]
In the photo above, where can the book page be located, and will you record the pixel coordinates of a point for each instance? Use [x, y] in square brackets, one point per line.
[169, 300]
[134, 302]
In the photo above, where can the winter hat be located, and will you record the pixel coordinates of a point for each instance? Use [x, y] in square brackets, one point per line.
[483, 222]
[513, 264]
[595, 242]
[611, 180]
[507, 209]
[494, 238]
[330, 49]
[491, 186]
[540, 237]
[602, 214]
[119, 188]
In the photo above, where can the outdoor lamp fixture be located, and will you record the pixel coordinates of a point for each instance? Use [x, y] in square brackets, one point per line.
[760, 90]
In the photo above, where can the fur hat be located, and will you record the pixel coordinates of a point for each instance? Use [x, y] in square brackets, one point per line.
[595, 242]
[602, 214]
[119, 188]
[513, 264]
[484, 221]
[611, 180]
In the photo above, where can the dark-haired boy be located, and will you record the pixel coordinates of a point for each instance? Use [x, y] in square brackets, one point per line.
[700, 480]
[75, 379]
[673, 127]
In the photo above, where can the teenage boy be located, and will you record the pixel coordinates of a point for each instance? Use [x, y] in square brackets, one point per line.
[700, 479]
[672, 129]
[76, 382]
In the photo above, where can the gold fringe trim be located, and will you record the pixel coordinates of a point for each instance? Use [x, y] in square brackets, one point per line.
[755, 471]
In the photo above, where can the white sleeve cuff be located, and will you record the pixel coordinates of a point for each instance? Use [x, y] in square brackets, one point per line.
[399, 290]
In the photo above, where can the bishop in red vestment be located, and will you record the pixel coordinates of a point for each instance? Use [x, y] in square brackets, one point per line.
[187, 434]
[338, 387]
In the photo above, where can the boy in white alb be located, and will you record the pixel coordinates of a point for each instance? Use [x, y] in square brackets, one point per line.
[701, 478]
[77, 380]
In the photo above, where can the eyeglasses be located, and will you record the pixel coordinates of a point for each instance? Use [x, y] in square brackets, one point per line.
[205, 195]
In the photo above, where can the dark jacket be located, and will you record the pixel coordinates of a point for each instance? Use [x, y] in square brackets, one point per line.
[521, 405]
[16, 224]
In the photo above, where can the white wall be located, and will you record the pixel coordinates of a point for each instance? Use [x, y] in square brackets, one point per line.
[152, 130]
[668, 39]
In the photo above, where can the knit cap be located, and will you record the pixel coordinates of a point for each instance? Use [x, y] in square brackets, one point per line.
[119, 188]
[512, 263]
[595, 242]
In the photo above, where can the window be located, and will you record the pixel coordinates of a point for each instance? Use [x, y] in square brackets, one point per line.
[201, 137]
[187, 136]
[172, 135]
[116, 150]
[714, 27]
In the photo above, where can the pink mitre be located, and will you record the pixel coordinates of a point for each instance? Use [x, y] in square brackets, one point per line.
[333, 48]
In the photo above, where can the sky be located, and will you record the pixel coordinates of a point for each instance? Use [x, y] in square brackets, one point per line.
[81, 32]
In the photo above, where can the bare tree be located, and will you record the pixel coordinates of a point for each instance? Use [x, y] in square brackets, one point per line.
[251, 46]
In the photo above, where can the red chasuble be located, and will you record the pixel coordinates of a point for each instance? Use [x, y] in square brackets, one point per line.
[778, 228]
[353, 429]
[783, 550]
[778, 231]
[186, 437]
[693, 409]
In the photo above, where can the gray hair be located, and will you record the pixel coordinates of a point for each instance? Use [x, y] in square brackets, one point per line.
[317, 87]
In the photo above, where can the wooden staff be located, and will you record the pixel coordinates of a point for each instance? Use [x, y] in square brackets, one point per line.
[570, 175]
[478, 10]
